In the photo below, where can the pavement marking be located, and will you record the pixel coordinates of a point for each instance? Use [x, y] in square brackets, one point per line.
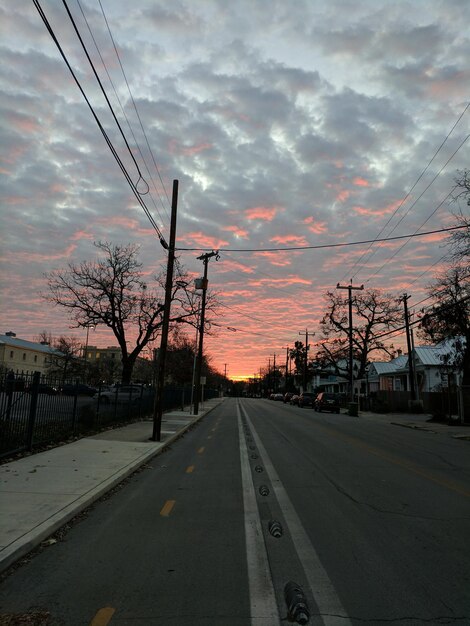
[332, 612]
[103, 617]
[263, 605]
[167, 508]
[190, 469]
[201, 450]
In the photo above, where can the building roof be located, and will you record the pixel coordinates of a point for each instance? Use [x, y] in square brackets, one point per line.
[390, 367]
[432, 355]
[15, 342]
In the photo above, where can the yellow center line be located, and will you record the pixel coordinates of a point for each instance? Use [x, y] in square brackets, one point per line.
[103, 617]
[190, 469]
[201, 450]
[167, 507]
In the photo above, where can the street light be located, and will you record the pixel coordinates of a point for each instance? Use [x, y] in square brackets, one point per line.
[88, 326]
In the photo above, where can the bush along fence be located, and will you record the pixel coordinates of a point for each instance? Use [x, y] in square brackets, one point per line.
[36, 412]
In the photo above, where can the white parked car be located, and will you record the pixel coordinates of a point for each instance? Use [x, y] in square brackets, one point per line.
[121, 395]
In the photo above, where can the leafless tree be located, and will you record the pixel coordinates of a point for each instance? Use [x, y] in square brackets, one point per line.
[374, 312]
[111, 291]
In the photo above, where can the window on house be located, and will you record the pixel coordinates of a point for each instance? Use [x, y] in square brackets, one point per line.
[11, 354]
[35, 358]
[24, 356]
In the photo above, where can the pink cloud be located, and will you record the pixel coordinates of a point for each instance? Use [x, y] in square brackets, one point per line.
[292, 240]
[22, 122]
[176, 148]
[315, 226]
[80, 234]
[205, 241]
[36, 257]
[343, 195]
[261, 213]
[280, 259]
[238, 232]
[360, 182]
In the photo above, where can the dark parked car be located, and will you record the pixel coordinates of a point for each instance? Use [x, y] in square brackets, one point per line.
[306, 399]
[327, 402]
[287, 396]
[278, 397]
[79, 390]
[46, 389]
[294, 399]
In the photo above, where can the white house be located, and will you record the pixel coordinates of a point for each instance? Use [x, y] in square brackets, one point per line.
[24, 357]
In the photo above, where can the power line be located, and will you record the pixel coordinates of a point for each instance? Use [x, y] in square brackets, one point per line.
[134, 104]
[125, 116]
[329, 245]
[409, 192]
[100, 126]
[413, 235]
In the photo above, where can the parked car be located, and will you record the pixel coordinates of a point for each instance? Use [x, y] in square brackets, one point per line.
[79, 389]
[49, 390]
[278, 397]
[121, 395]
[327, 402]
[294, 399]
[287, 396]
[306, 399]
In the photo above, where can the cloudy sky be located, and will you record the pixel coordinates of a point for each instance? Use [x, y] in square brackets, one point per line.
[287, 123]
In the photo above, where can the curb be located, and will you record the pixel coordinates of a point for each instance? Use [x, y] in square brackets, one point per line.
[33, 538]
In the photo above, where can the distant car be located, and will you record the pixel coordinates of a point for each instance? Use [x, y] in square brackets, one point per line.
[294, 399]
[46, 389]
[287, 396]
[78, 390]
[121, 395]
[278, 397]
[327, 402]
[271, 396]
[306, 399]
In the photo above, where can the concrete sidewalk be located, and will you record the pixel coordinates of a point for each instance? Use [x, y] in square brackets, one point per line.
[41, 492]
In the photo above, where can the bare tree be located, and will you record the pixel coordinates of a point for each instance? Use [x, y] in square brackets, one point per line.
[373, 312]
[449, 316]
[65, 362]
[111, 291]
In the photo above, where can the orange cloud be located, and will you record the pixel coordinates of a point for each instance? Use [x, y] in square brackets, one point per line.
[360, 182]
[261, 213]
[293, 240]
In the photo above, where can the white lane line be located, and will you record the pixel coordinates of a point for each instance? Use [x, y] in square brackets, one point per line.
[324, 593]
[263, 606]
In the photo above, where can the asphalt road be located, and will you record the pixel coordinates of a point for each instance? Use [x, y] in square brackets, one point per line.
[375, 526]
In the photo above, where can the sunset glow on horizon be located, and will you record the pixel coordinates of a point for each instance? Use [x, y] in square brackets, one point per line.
[322, 131]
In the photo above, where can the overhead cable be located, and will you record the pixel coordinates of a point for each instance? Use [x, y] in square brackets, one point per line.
[328, 245]
[100, 126]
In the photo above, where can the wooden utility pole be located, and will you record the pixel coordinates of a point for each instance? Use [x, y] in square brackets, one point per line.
[158, 406]
[351, 372]
[411, 372]
[274, 374]
[305, 360]
[197, 391]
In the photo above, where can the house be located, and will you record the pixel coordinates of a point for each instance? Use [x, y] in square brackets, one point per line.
[433, 365]
[25, 357]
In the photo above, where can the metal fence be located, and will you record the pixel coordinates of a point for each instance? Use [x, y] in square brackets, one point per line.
[36, 411]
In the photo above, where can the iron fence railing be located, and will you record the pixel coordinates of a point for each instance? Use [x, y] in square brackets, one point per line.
[35, 411]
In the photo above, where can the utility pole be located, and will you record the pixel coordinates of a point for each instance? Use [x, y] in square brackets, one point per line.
[411, 372]
[306, 359]
[158, 406]
[351, 372]
[274, 374]
[197, 395]
[287, 365]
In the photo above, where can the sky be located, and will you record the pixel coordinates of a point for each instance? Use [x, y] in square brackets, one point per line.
[287, 124]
